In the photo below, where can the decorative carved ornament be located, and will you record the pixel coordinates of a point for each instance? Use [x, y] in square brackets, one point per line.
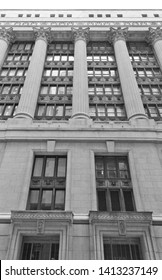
[98, 217]
[7, 34]
[19, 216]
[155, 34]
[42, 33]
[80, 33]
[118, 34]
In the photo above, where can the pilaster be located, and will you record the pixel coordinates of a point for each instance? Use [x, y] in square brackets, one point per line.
[28, 100]
[131, 95]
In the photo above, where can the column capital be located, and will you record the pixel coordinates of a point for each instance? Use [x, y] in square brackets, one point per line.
[80, 34]
[6, 34]
[118, 34]
[42, 33]
[155, 34]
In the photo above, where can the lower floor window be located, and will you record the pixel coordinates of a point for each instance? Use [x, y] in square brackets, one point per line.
[122, 249]
[40, 248]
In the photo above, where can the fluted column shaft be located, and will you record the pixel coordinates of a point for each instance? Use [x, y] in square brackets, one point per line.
[131, 95]
[80, 77]
[5, 39]
[29, 97]
[155, 37]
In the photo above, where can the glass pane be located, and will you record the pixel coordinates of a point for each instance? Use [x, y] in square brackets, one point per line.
[113, 73]
[141, 73]
[47, 72]
[70, 73]
[153, 111]
[50, 111]
[62, 73]
[50, 166]
[49, 57]
[101, 111]
[128, 200]
[61, 171]
[107, 252]
[89, 58]
[17, 57]
[116, 90]
[52, 90]
[4, 72]
[99, 90]
[26, 251]
[111, 58]
[99, 168]
[21, 47]
[61, 90]
[115, 202]
[97, 72]
[37, 172]
[24, 58]
[111, 168]
[111, 111]
[105, 73]
[59, 199]
[56, 57]
[59, 111]
[15, 90]
[64, 58]
[69, 90]
[71, 58]
[46, 200]
[103, 58]
[101, 200]
[146, 90]
[55, 251]
[36, 251]
[44, 90]
[1, 109]
[9, 57]
[96, 58]
[28, 47]
[54, 73]
[149, 73]
[5, 89]
[8, 110]
[68, 111]
[91, 90]
[120, 111]
[108, 90]
[155, 90]
[12, 72]
[41, 109]
[92, 111]
[19, 72]
[33, 199]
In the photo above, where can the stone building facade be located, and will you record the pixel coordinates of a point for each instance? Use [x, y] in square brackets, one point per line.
[81, 134]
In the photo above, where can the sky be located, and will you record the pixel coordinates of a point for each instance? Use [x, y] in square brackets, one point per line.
[83, 4]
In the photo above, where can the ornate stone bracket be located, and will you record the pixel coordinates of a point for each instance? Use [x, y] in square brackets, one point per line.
[155, 34]
[7, 34]
[80, 33]
[117, 34]
[42, 33]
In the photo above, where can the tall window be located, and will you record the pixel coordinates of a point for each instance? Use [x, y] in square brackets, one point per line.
[12, 77]
[114, 189]
[105, 95]
[55, 97]
[47, 189]
[121, 249]
[148, 76]
[40, 248]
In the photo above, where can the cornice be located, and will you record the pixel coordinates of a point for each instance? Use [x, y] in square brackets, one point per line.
[77, 23]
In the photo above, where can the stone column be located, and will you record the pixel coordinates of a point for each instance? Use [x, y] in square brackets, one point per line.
[80, 77]
[131, 95]
[6, 37]
[29, 97]
[155, 38]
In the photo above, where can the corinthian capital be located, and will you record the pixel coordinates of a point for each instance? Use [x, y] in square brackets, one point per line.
[155, 34]
[42, 33]
[118, 34]
[80, 33]
[7, 34]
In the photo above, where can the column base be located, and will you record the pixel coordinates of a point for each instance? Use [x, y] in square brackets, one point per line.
[80, 116]
[138, 116]
[23, 115]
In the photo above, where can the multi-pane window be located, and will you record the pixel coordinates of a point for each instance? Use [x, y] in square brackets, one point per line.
[47, 188]
[122, 249]
[114, 189]
[148, 76]
[105, 95]
[12, 77]
[40, 248]
[55, 97]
